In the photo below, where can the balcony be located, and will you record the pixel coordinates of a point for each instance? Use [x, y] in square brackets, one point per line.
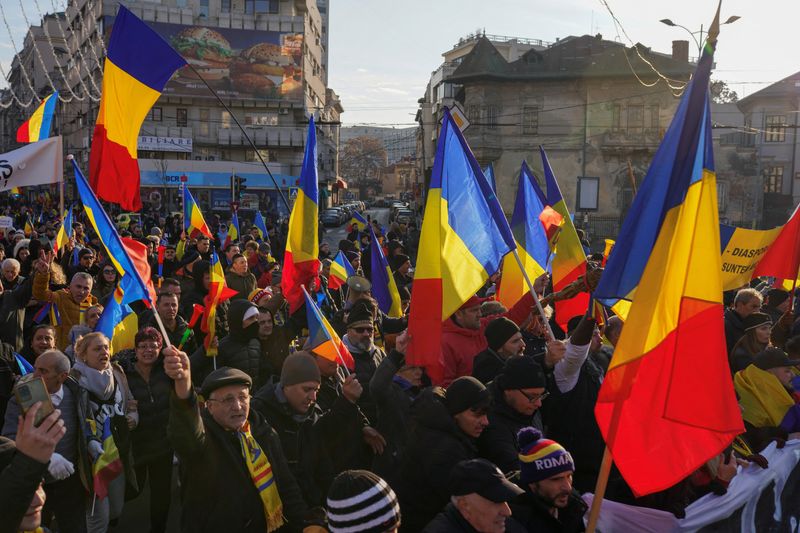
[624, 141]
[263, 136]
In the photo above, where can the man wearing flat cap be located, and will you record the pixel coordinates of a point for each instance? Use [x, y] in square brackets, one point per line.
[479, 501]
[233, 472]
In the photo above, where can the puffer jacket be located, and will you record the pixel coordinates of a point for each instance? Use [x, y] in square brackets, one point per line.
[69, 311]
[435, 446]
[237, 350]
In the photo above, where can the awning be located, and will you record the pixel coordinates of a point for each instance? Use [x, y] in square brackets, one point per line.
[340, 183]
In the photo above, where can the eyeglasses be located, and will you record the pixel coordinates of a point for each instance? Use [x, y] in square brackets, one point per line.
[361, 331]
[228, 401]
[534, 397]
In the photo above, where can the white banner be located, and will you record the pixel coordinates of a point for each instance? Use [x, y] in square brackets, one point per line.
[164, 144]
[39, 163]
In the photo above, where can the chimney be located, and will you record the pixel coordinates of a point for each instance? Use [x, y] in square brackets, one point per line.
[680, 51]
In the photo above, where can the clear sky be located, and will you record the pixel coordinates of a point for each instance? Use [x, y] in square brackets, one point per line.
[382, 52]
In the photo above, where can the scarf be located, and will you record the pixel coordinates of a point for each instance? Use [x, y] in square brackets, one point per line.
[263, 478]
[763, 398]
[98, 382]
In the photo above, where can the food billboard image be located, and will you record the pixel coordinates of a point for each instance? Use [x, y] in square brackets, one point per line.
[236, 63]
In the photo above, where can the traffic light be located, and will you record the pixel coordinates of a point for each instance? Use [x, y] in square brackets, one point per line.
[241, 187]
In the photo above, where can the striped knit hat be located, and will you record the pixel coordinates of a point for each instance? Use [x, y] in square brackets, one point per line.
[359, 501]
[541, 458]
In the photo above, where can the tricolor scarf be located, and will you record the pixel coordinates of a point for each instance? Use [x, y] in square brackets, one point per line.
[261, 474]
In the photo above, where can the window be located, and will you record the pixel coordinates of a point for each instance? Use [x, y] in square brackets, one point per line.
[154, 114]
[182, 3]
[491, 116]
[773, 181]
[530, 120]
[473, 113]
[204, 118]
[722, 195]
[261, 119]
[616, 118]
[226, 121]
[225, 6]
[654, 117]
[261, 6]
[776, 129]
[203, 11]
[635, 118]
[182, 117]
[250, 155]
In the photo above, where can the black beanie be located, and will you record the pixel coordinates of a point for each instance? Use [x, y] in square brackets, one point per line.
[499, 331]
[362, 314]
[776, 297]
[520, 372]
[465, 393]
[359, 501]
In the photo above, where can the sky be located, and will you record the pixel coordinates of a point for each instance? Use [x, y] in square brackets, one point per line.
[382, 52]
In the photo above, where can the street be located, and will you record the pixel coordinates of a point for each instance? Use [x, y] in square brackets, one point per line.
[335, 234]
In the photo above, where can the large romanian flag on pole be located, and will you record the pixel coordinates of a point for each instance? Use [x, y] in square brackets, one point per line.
[301, 260]
[530, 237]
[569, 259]
[667, 403]
[463, 240]
[138, 65]
[38, 126]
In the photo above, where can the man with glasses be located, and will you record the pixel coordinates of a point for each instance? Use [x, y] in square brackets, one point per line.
[517, 393]
[234, 475]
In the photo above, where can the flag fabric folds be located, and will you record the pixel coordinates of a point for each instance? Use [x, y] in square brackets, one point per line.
[301, 259]
[137, 67]
[233, 230]
[530, 237]
[28, 226]
[261, 226]
[667, 403]
[40, 163]
[134, 286]
[384, 289]
[118, 322]
[782, 260]
[742, 250]
[193, 221]
[24, 366]
[358, 222]
[569, 259]
[218, 292]
[108, 465]
[463, 240]
[38, 126]
[489, 173]
[341, 269]
[322, 338]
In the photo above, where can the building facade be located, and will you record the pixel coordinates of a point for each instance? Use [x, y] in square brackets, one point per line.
[263, 58]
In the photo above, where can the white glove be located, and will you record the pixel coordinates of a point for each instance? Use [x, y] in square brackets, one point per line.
[95, 449]
[59, 467]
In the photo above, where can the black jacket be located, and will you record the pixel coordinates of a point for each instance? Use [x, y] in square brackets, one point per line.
[486, 365]
[435, 446]
[237, 350]
[534, 515]
[451, 521]
[366, 363]
[216, 489]
[346, 445]
[18, 482]
[149, 440]
[9, 370]
[734, 328]
[498, 442]
[12, 313]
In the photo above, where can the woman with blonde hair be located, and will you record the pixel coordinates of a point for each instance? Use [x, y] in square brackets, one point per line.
[112, 413]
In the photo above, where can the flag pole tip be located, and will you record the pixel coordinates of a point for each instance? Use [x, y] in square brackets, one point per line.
[70, 157]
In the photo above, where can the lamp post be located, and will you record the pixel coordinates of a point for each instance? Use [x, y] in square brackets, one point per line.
[698, 42]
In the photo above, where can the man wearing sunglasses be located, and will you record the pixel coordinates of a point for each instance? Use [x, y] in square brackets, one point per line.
[517, 394]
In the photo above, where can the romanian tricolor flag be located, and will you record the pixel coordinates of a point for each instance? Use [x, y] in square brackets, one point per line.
[138, 65]
[261, 226]
[136, 285]
[28, 226]
[233, 230]
[193, 221]
[64, 232]
[569, 259]
[667, 404]
[48, 310]
[341, 269]
[108, 465]
[118, 322]
[529, 234]
[384, 289]
[782, 259]
[358, 222]
[463, 240]
[218, 292]
[301, 260]
[38, 126]
[322, 338]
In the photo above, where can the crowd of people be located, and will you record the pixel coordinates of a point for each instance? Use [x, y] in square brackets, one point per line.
[268, 435]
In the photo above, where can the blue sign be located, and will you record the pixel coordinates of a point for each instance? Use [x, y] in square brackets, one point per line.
[155, 178]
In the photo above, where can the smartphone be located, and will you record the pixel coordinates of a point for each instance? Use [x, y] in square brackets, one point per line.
[30, 391]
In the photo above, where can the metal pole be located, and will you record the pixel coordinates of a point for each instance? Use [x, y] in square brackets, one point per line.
[535, 296]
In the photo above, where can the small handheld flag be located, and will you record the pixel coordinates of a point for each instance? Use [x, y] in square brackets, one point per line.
[341, 269]
[358, 221]
[261, 226]
[24, 366]
[193, 221]
[38, 126]
[322, 338]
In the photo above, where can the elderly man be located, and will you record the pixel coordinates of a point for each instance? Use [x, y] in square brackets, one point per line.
[234, 474]
[550, 503]
[71, 302]
[66, 480]
[746, 302]
[11, 278]
[479, 502]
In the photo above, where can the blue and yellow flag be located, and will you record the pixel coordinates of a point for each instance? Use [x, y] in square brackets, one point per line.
[322, 338]
[489, 173]
[384, 289]
[358, 221]
[118, 322]
[341, 269]
[261, 226]
[64, 232]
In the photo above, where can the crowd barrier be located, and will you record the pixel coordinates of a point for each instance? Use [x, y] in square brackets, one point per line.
[757, 500]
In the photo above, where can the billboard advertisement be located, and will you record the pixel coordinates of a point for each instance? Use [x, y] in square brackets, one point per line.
[250, 64]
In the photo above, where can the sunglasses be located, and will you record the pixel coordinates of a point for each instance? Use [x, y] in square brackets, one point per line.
[363, 330]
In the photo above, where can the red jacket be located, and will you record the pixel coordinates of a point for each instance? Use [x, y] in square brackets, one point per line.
[461, 345]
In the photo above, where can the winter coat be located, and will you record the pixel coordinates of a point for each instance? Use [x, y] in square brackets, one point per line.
[366, 364]
[486, 365]
[9, 370]
[217, 491]
[734, 328]
[18, 483]
[243, 285]
[150, 439]
[69, 311]
[348, 450]
[534, 515]
[435, 446]
[12, 313]
[451, 521]
[498, 442]
[461, 345]
[393, 398]
[242, 352]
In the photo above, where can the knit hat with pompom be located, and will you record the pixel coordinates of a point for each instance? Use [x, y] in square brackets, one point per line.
[541, 458]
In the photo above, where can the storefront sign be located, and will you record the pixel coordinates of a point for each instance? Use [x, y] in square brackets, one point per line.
[164, 144]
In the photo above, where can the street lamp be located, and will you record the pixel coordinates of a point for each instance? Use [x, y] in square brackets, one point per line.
[668, 22]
